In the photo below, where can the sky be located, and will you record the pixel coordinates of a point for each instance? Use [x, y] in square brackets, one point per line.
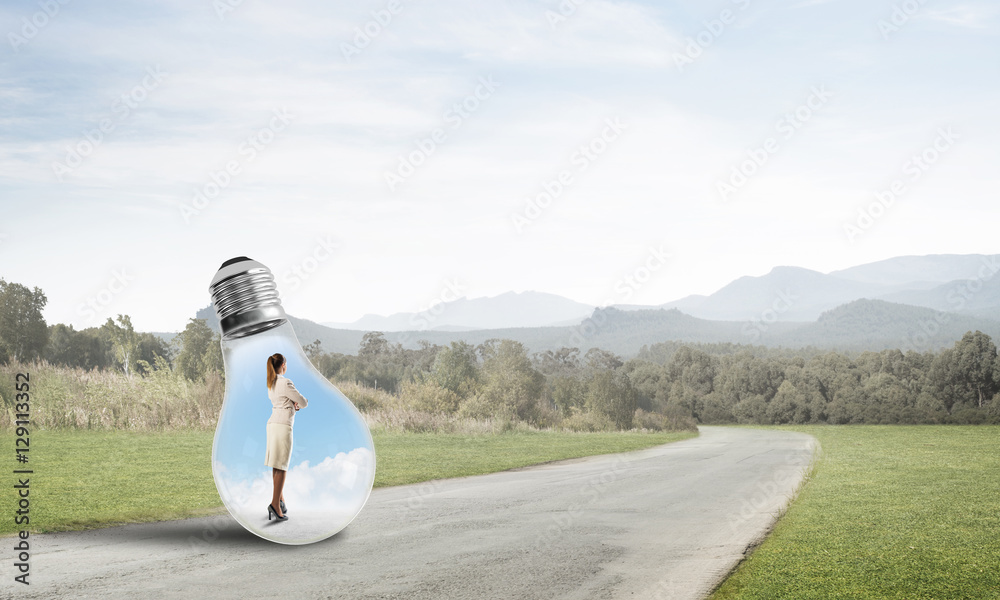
[378, 155]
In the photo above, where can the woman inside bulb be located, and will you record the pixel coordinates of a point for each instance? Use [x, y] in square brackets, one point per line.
[285, 401]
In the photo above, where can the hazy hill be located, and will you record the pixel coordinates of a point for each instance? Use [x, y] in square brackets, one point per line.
[934, 281]
[918, 302]
[978, 297]
[334, 340]
[910, 270]
[793, 292]
[877, 324]
[856, 326]
[511, 309]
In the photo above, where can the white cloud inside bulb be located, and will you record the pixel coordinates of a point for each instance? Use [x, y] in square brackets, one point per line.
[334, 484]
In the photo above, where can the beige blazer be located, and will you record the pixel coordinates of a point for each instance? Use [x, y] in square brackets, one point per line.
[282, 396]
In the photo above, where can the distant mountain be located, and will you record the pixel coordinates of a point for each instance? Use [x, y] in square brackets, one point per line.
[877, 325]
[913, 270]
[511, 309]
[918, 302]
[333, 340]
[973, 296]
[856, 326]
[794, 293]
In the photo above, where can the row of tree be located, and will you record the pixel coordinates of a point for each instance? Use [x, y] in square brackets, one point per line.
[713, 384]
[957, 385]
[495, 378]
[24, 337]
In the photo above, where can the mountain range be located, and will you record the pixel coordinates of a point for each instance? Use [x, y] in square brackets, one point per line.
[960, 283]
[511, 309]
[908, 302]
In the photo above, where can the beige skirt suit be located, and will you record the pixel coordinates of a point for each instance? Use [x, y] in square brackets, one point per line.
[283, 397]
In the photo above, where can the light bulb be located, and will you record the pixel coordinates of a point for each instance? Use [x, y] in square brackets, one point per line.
[332, 465]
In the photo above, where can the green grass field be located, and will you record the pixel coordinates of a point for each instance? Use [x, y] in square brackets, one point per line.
[890, 512]
[91, 479]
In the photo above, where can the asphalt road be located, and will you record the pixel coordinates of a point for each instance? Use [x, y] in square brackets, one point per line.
[665, 523]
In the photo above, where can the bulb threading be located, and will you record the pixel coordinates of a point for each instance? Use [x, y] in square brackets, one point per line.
[246, 299]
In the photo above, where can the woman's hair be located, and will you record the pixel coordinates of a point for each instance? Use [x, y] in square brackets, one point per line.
[274, 363]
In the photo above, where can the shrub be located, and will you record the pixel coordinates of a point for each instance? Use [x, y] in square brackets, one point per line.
[429, 396]
[588, 421]
[365, 398]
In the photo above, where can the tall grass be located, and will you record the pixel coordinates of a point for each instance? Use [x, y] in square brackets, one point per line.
[406, 412]
[164, 400]
[65, 398]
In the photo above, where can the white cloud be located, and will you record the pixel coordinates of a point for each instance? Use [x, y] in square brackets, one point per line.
[338, 484]
[971, 16]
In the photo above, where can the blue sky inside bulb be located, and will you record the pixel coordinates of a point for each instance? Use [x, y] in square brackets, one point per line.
[332, 466]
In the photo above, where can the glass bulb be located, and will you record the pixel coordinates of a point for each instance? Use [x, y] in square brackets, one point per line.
[332, 466]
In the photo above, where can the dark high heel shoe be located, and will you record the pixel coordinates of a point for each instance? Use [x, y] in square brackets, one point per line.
[271, 511]
[284, 510]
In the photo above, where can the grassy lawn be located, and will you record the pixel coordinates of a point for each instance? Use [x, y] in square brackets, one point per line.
[891, 512]
[92, 479]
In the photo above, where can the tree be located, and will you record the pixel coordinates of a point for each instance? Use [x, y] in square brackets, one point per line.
[645, 377]
[602, 360]
[373, 346]
[86, 349]
[511, 385]
[124, 341]
[691, 374]
[23, 333]
[200, 352]
[150, 348]
[380, 363]
[456, 369]
[314, 350]
[789, 405]
[612, 394]
[566, 393]
[558, 362]
[974, 368]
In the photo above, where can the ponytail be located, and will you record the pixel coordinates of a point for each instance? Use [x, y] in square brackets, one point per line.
[274, 363]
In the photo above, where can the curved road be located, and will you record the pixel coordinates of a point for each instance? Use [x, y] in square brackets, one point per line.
[664, 523]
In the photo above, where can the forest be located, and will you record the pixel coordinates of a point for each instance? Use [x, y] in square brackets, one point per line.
[667, 385]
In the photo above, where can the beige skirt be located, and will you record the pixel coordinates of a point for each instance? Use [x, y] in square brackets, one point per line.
[279, 446]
